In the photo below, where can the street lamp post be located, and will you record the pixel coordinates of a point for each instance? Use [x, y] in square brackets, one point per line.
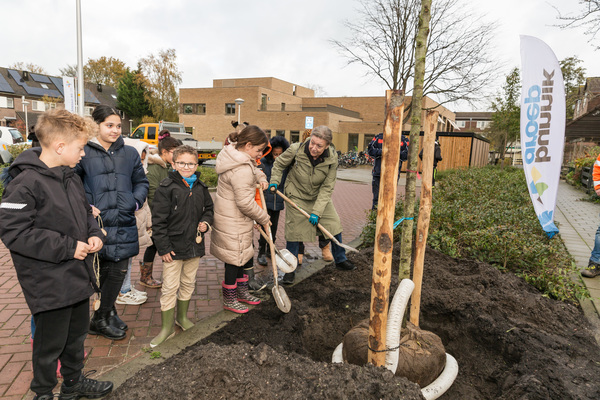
[130, 127]
[24, 102]
[239, 102]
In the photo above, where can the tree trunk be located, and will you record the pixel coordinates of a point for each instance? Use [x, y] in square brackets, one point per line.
[424, 214]
[409, 201]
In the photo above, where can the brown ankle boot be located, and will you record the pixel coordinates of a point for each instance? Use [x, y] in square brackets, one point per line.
[146, 276]
[327, 256]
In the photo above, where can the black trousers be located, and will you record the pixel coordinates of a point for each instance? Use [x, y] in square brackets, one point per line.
[112, 275]
[262, 242]
[59, 335]
[150, 253]
[233, 272]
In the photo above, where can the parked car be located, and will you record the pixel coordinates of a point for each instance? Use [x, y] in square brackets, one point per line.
[5, 156]
[10, 135]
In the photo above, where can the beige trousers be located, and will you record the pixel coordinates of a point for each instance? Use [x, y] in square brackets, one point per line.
[179, 281]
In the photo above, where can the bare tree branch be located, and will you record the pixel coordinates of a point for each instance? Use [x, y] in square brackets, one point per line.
[459, 65]
[588, 17]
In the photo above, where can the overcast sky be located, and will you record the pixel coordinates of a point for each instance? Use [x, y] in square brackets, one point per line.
[238, 38]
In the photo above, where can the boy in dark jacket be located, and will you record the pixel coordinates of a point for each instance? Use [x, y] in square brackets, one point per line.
[182, 211]
[47, 224]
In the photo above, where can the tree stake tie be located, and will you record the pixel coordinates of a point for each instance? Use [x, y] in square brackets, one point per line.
[399, 222]
[417, 172]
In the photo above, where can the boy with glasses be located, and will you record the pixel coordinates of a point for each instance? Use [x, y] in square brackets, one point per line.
[182, 211]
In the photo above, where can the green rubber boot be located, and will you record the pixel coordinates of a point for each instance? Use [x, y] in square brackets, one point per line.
[182, 320]
[168, 330]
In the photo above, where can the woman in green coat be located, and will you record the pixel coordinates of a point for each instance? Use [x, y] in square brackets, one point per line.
[310, 183]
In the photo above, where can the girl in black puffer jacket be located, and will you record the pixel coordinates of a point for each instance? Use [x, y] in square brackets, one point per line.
[115, 186]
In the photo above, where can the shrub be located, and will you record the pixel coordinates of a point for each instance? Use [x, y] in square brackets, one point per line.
[208, 176]
[486, 214]
[17, 149]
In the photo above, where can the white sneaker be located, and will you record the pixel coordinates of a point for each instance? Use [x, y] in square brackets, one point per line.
[139, 292]
[130, 298]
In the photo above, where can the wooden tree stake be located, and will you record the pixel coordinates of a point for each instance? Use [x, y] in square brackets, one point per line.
[424, 213]
[384, 236]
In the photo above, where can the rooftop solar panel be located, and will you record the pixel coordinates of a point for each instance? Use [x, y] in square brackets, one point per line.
[58, 82]
[90, 98]
[40, 78]
[5, 86]
[33, 90]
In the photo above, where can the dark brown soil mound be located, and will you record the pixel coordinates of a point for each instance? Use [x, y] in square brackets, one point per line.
[510, 342]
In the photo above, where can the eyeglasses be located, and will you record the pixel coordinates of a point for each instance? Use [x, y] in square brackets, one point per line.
[185, 165]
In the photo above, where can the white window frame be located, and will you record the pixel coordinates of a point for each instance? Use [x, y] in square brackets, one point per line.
[87, 111]
[461, 124]
[37, 105]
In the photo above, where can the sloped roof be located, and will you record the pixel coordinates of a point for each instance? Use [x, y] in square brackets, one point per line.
[585, 127]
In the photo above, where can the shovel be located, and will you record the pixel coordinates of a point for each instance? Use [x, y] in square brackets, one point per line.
[286, 261]
[321, 227]
[281, 298]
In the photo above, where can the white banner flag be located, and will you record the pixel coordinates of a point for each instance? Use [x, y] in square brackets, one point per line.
[542, 126]
[69, 91]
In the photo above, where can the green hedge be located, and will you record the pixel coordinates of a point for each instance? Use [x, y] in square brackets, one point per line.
[486, 214]
[208, 176]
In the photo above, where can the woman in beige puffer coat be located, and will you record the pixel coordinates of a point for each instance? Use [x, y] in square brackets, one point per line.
[235, 212]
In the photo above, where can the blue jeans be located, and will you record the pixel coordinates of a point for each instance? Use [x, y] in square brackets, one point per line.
[339, 254]
[126, 286]
[595, 256]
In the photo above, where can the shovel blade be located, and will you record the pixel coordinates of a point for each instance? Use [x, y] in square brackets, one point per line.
[281, 299]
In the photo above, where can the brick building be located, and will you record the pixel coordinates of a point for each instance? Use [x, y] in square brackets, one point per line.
[477, 122]
[281, 107]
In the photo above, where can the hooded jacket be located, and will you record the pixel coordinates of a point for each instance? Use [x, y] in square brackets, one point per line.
[43, 214]
[235, 206]
[176, 214]
[310, 187]
[115, 182]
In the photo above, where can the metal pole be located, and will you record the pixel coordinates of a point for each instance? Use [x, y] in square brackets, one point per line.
[239, 113]
[80, 85]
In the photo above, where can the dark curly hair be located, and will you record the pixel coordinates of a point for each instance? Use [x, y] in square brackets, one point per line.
[277, 141]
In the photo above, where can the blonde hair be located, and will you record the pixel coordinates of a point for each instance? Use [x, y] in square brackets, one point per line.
[56, 125]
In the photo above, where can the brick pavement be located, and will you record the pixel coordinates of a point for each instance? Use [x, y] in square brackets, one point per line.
[352, 200]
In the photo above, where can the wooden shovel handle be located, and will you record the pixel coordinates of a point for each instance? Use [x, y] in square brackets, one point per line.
[321, 227]
[272, 245]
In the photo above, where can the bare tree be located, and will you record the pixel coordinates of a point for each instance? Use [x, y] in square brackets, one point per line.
[319, 90]
[588, 17]
[69, 70]
[458, 65]
[30, 67]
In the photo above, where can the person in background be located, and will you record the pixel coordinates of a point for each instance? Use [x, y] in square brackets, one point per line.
[129, 295]
[116, 186]
[310, 183]
[593, 268]
[437, 157]
[375, 149]
[32, 136]
[275, 204]
[236, 210]
[47, 224]
[182, 212]
[158, 169]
